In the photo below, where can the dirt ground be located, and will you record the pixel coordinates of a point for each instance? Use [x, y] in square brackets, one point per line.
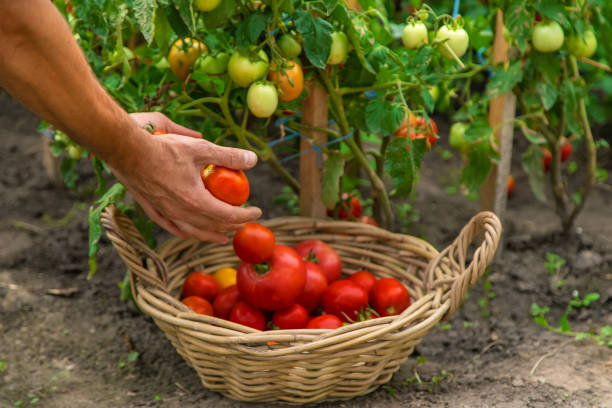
[58, 351]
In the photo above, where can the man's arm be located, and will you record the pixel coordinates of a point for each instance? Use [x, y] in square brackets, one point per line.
[42, 65]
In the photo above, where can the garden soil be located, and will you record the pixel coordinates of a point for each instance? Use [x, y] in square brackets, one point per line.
[73, 350]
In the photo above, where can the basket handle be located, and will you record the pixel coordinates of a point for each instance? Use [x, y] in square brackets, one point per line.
[132, 248]
[449, 267]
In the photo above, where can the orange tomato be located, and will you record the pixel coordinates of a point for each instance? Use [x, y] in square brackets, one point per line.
[225, 277]
[290, 82]
[182, 56]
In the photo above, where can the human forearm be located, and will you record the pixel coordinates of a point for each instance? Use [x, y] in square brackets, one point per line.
[42, 66]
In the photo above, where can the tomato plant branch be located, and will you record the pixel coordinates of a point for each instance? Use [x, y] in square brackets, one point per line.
[300, 126]
[377, 183]
[361, 89]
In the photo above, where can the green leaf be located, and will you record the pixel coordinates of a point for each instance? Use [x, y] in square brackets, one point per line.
[548, 65]
[427, 99]
[132, 356]
[316, 34]
[383, 116]
[564, 325]
[112, 195]
[144, 10]
[163, 31]
[478, 167]
[478, 130]
[571, 106]
[552, 9]
[333, 168]
[503, 80]
[69, 173]
[589, 298]
[250, 29]
[185, 9]
[176, 22]
[532, 164]
[541, 321]
[220, 15]
[403, 164]
[581, 336]
[519, 21]
[548, 94]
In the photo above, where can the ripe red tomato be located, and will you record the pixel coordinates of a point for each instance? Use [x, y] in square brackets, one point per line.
[225, 301]
[349, 208]
[198, 305]
[316, 283]
[364, 279]
[566, 151]
[248, 315]
[229, 185]
[345, 299]
[254, 243]
[276, 288]
[326, 321]
[294, 317]
[419, 129]
[160, 132]
[366, 219]
[547, 159]
[510, 188]
[326, 257]
[201, 284]
[389, 297]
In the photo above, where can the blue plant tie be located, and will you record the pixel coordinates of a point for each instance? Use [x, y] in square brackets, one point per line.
[456, 8]
[317, 150]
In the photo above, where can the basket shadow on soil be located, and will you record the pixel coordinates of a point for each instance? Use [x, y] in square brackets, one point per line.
[59, 351]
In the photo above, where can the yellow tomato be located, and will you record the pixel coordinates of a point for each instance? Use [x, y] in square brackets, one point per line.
[182, 56]
[226, 277]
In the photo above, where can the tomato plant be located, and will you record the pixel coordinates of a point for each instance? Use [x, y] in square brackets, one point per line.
[345, 299]
[247, 315]
[389, 297]
[200, 284]
[198, 305]
[229, 185]
[275, 285]
[254, 243]
[324, 255]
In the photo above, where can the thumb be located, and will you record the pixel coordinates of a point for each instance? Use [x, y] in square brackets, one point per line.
[230, 157]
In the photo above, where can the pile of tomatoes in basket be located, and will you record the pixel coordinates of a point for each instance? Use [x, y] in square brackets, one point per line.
[279, 287]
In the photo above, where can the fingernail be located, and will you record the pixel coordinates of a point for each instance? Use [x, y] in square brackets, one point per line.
[250, 159]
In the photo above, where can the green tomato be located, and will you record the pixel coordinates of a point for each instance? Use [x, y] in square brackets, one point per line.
[434, 91]
[244, 70]
[456, 38]
[262, 99]
[212, 64]
[74, 151]
[547, 36]
[339, 48]
[61, 137]
[582, 48]
[206, 5]
[289, 46]
[457, 136]
[414, 35]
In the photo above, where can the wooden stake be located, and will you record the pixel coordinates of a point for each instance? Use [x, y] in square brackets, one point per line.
[493, 193]
[314, 113]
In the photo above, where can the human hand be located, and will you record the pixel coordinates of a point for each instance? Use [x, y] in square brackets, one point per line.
[162, 172]
[159, 121]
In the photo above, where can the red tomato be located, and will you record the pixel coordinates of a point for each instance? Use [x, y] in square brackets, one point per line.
[198, 305]
[326, 257]
[279, 286]
[160, 132]
[201, 284]
[254, 243]
[345, 299]
[349, 208]
[231, 186]
[566, 151]
[419, 129]
[366, 219]
[547, 159]
[294, 317]
[248, 315]
[225, 301]
[510, 185]
[326, 321]
[316, 283]
[364, 279]
[389, 297]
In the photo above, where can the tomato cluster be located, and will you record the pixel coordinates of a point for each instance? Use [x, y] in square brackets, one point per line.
[278, 287]
[418, 128]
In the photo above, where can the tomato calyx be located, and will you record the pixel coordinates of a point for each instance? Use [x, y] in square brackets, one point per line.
[312, 257]
[262, 268]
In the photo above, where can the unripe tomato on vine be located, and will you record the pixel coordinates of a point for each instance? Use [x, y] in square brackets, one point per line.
[289, 46]
[414, 35]
[339, 48]
[547, 36]
[582, 47]
[455, 38]
[262, 99]
[206, 5]
[244, 69]
[182, 56]
[290, 81]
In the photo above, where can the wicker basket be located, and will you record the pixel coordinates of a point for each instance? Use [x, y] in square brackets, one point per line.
[302, 366]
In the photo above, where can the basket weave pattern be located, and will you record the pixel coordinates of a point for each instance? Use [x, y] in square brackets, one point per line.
[302, 366]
